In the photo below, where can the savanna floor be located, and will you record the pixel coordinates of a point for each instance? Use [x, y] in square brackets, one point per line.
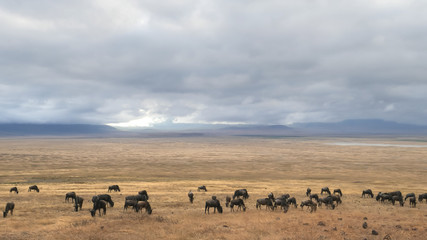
[169, 167]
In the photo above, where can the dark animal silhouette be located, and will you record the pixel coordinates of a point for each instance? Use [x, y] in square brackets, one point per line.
[144, 193]
[412, 202]
[190, 196]
[329, 203]
[315, 196]
[399, 199]
[271, 196]
[138, 197]
[69, 195]
[310, 205]
[409, 195]
[325, 189]
[338, 191]
[144, 205]
[227, 201]
[98, 205]
[367, 192]
[264, 201]
[292, 201]
[285, 196]
[34, 187]
[203, 187]
[114, 188]
[384, 196]
[9, 208]
[78, 203]
[14, 189]
[285, 205]
[308, 192]
[130, 203]
[239, 203]
[104, 197]
[213, 203]
[422, 196]
[335, 198]
[278, 202]
[241, 192]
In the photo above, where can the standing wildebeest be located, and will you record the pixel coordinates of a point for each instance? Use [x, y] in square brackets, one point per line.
[409, 195]
[213, 203]
[78, 203]
[130, 203]
[315, 196]
[335, 198]
[367, 192]
[422, 196]
[338, 191]
[191, 196]
[139, 197]
[98, 205]
[397, 198]
[329, 203]
[203, 187]
[144, 204]
[9, 208]
[271, 196]
[237, 202]
[144, 193]
[104, 197]
[291, 201]
[264, 201]
[14, 189]
[114, 188]
[278, 202]
[310, 205]
[69, 195]
[227, 201]
[412, 202]
[34, 187]
[308, 192]
[241, 192]
[325, 189]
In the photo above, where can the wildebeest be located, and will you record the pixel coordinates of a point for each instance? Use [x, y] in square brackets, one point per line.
[191, 196]
[315, 196]
[292, 201]
[98, 205]
[34, 187]
[278, 202]
[237, 202]
[9, 208]
[264, 201]
[144, 193]
[241, 192]
[329, 203]
[213, 203]
[285, 196]
[399, 199]
[412, 202]
[138, 197]
[308, 192]
[409, 195]
[114, 188]
[335, 198]
[130, 203]
[310, 205]
[78, 203]
[105, 197]
[14, 189]
[203, 187]
[143, 205]
[69, 195]
[338, 191]
[325, 189]
[271, 196]
[422, 196]
[367, 192]
[227, 201]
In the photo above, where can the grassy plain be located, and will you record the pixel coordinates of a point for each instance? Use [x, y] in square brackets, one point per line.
[169, 167]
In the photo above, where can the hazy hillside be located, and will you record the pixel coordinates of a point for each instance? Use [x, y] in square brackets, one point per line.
[13, 129]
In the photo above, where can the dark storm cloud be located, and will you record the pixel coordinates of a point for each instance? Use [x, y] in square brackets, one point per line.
[269, 62]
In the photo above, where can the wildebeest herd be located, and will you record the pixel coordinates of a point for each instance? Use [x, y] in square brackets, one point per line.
[284, 201]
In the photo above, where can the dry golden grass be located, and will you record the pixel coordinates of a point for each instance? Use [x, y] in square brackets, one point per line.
[168, 168]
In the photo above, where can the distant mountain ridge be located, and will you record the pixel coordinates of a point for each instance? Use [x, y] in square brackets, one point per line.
[28, 129]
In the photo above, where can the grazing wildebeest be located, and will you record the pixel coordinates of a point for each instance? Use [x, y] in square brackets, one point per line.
[412, 202]
[241, 192]
[9, 208]
[325, 189]
[338, 191]
[213, 203]
[308, 192]
[104, 197]
[285, 196]
[285, 206]
[98, 205]
[335, 198]
[278, 202]
[310, 205]
[384, 196]
[191, 196]
[69, 195]
[114, 188]
[144, 193]
[138, 197]
[329, 203]
[397, 198]
[409, 195]
[34, 187]
[14, 189]
[78, 203]
[203, 187]
[264, 201]
[227, 201]
[422, 196]
[143, 204]
[367, 192]
[237, 202]
[130, 203]
[315, 196]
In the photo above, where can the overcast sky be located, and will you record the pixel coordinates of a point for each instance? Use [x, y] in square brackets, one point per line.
[257, 62]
